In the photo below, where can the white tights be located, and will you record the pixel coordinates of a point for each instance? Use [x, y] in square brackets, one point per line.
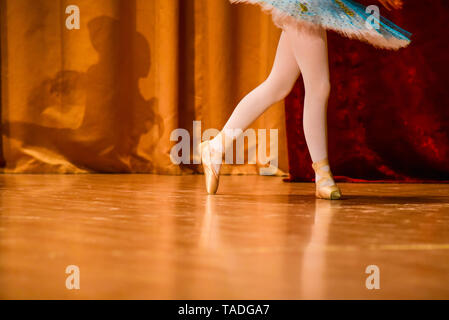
[298, 52]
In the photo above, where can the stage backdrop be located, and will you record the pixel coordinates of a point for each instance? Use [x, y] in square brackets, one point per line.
[389, 111]
[106, 97]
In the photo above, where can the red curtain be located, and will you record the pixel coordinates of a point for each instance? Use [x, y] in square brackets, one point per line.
[389, 111]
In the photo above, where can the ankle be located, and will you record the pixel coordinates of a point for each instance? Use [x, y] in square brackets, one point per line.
[216, 144]
[327, 182]
[323, 173]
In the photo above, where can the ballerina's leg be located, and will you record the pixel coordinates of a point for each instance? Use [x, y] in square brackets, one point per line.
[276, 87]
[311, 52]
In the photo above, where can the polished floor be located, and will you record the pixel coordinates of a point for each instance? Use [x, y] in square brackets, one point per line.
[161, 237]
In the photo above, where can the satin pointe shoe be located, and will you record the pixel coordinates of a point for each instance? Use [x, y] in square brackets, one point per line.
[212, 177]
[324, 191]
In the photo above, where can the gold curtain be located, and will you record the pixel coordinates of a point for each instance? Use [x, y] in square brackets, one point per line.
[106, 97]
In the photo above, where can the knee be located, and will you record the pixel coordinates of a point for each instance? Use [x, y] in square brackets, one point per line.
[278, 90]
[319, 89]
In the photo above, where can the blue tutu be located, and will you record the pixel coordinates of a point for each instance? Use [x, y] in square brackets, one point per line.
[346, 17]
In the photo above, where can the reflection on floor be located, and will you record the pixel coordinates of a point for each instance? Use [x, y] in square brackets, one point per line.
[161, 237]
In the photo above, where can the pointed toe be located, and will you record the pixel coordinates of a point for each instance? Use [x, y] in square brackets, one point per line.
[323, 191]
[211, 177]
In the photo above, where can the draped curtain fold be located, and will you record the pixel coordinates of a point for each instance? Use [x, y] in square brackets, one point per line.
[106, 97]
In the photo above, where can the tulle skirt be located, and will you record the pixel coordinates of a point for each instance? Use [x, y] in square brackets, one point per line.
[346, 17]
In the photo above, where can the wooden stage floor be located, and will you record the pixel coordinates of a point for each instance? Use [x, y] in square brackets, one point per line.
[161, 237]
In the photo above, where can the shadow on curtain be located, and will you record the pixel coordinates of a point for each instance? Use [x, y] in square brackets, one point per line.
[106, 98]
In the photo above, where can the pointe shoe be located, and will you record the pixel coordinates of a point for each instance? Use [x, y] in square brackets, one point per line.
[212, 177]
[325, 192]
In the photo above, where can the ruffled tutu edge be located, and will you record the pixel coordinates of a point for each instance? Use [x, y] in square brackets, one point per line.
[282, 20]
